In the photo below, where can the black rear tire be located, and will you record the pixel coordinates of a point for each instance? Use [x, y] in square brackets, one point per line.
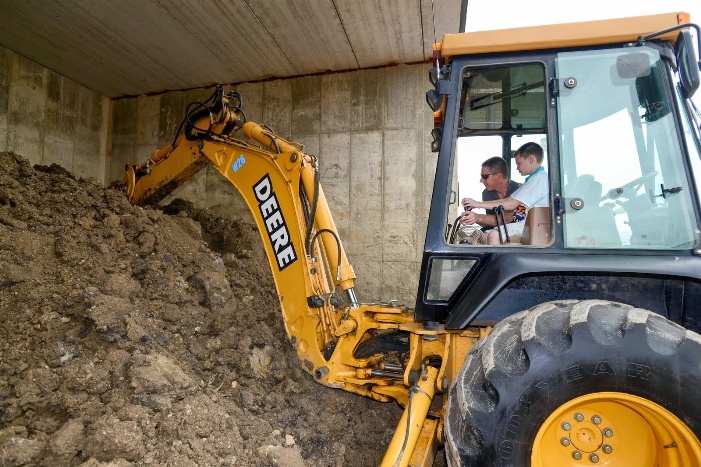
[535, 361]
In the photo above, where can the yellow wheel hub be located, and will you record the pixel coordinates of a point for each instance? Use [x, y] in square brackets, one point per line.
[615, 430]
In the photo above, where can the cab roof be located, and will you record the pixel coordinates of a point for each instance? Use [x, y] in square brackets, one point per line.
[586, 33]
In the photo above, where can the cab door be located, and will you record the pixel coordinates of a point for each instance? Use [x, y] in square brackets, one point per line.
[623, 174]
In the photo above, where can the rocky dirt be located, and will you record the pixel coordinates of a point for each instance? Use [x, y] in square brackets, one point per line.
[131, 336]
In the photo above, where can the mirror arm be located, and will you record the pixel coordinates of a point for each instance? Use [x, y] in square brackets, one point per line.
[643, 39]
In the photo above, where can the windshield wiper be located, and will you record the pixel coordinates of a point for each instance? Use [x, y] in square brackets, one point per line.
[498, 97]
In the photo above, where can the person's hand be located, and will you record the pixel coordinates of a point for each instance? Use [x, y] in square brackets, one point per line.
[468, 218]
[469, 203]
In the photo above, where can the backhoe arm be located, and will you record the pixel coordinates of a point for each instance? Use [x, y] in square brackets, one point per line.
[341, 348]
[281, 188]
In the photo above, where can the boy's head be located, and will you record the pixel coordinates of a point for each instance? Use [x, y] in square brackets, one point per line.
[528, 158]
[531, 149]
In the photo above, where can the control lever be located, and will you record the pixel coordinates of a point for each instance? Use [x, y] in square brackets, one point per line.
[499, 216]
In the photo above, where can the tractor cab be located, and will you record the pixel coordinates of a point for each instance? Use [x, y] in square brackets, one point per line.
[609, 103]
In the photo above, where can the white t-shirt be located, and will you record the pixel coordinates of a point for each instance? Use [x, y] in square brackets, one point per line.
[535, 193]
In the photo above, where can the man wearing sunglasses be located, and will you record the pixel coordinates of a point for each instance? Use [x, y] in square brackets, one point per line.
[497, 185]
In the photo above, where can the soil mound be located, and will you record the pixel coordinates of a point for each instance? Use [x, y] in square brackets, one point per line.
[130, 336]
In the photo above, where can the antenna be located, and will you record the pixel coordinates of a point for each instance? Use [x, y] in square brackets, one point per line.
[463, 15]
[435, 39]
[433, 20]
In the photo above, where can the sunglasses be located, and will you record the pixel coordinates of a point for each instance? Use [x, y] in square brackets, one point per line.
[485, 176]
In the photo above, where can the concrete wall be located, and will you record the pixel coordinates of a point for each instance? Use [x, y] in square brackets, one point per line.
[371, 132]
[48, 118]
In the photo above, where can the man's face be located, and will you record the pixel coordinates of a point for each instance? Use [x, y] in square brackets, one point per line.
[489, 179]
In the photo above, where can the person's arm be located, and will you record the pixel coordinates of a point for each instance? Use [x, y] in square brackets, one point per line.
[509, 203]
[485, 220]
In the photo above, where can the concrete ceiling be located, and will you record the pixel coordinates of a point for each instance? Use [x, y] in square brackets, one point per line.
[130, 47]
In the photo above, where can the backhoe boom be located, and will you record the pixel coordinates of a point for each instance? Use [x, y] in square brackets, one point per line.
[280, 184]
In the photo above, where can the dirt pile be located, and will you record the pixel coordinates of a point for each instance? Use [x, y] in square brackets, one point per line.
[129, 336]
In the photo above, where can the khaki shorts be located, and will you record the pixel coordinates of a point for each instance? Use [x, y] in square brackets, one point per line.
[515, 230]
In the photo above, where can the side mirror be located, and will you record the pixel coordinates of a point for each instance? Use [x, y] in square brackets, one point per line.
[687, 64]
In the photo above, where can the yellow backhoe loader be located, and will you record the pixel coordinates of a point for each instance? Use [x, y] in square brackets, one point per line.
[602, 366]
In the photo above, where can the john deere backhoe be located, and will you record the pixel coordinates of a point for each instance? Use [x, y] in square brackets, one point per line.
[603, 366]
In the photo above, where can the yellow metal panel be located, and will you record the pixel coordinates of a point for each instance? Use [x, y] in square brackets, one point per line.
[427, 445]
[607, 31]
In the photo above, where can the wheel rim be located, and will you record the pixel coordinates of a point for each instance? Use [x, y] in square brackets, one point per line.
[615, 430]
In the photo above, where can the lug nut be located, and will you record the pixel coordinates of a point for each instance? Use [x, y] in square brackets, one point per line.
[565, 441]
[594, 458]
[578, 416]
[595, 419]
[577, 455]
[608, 432]
[566, 426]
[607, 448]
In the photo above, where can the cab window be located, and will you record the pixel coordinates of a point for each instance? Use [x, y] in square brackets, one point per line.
[623, 176]
[501, 108]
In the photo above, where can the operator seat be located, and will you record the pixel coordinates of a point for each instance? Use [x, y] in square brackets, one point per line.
[537, 230]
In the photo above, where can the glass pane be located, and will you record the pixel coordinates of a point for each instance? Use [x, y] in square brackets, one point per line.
[503, 98]
[445, 276]
[624, 182]
[472, 152]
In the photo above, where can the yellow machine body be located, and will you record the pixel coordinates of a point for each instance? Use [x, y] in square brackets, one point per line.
[279, 183]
